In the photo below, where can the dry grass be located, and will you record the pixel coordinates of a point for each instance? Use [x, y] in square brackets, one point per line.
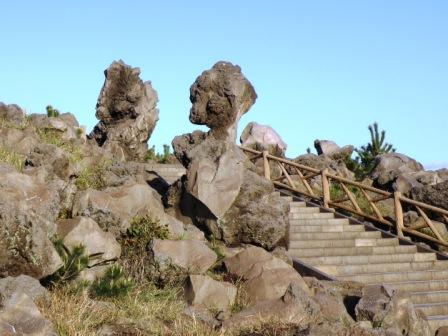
[12, 158]
[158, 312]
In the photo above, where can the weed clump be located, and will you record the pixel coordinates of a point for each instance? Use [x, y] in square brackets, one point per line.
[113, 283]
[75, 261]
[135, 258]
[93, 177]
[12, 158]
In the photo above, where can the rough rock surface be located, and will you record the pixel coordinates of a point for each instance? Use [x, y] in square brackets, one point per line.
[335, 166]
[192, 256]
[115, 207]
[20, 316]
[263, 138]
[28, 210]
[436, 195]
[12, 113]
[408, 181]
[127, 111]
[332, 150]
[203, 291]
[23, 284]
[391, 165]
[220, 96]
[295, 307]
[391, 310]
[101, 245]
[222, 192]
[267, 277]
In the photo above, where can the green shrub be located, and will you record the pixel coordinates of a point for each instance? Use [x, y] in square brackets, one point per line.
[134, 257]
[52, 112]
[12, 158]
[75, 261]
[144, 229]
[164, 157]
[114, 283]
[364, 163]
[93, 176]
[54, 137]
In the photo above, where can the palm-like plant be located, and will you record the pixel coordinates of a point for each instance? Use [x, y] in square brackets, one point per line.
[365, 162]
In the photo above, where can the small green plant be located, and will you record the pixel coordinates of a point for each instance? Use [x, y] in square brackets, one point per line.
[364, 163]
[134, 257]
[114, 283]
[93, 177]
[158, 157]
[12, 158]
[52, 112]
[54, 137]
[75, 261]
[145, 229]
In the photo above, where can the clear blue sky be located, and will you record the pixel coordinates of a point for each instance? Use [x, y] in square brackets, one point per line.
[321, 69]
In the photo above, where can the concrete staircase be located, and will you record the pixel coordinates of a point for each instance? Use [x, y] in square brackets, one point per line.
[169, 172]
[352, 251]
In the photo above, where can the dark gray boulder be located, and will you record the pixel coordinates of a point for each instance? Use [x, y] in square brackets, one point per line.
[127, 112]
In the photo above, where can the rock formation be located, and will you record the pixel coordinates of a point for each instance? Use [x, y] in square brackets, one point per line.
[263, 138]
[222, 190]
[127, 112]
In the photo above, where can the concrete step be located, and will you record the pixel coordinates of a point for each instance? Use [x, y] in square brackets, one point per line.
[396, 276]
[437, 321]
[319, 215]
[421, 286]
[327, 228]
[433, 309]
[370, 259]
[294, 205]
[334, 235]
[341, 251]
[336, 270]
[312, 243]
[318, 221]
[429, 297]
[287, 198]
[303, 210]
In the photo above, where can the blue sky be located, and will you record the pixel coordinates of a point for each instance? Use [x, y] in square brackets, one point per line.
[321, 69]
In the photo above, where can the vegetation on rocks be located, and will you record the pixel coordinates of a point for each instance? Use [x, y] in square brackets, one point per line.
[93, 176]
[75, 261]
[114, 283]
[152, 155]
[52, 112]
[12, 158]
[364, 163]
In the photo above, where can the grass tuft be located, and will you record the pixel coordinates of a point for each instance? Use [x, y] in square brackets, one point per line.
[12, 158]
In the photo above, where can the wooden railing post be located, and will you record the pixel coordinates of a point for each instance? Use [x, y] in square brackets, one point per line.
[398, 213]
[325, 188]
[267, 169]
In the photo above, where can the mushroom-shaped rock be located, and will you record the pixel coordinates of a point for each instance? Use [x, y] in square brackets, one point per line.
[203, 291]
[220, 96]
[192, 256]
[263, 138]
[127, 111]
[222, 190]
[86, 232]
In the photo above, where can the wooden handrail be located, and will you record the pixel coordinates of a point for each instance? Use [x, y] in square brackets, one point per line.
[350, 203]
